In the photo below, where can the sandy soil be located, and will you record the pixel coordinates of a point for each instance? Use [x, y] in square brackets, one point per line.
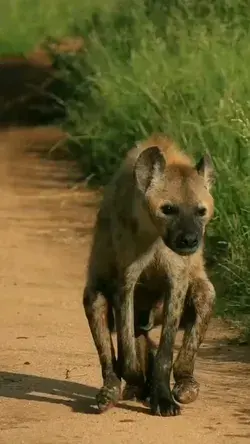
[49, 367]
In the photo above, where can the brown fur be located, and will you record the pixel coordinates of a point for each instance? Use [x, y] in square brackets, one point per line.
[147, 266]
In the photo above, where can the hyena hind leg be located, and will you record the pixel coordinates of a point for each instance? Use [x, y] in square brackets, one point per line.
[98, 314]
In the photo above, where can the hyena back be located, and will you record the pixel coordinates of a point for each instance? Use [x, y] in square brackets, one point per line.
[146, 266]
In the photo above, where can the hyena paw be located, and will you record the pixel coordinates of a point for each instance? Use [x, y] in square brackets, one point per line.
[109, 394]
[163, 404]
[164, 407]
[135, 392]
[186, 390]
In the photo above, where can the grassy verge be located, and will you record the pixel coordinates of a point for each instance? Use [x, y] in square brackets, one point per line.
[26, 23]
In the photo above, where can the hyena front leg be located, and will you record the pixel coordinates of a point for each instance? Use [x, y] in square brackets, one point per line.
[146, 351]
[97, 312]
[161, 400]
[129, 364]
[202, 296]
[150, 355]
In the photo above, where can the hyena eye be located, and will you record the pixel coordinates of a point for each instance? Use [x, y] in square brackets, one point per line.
[169, 209]
[201, 211]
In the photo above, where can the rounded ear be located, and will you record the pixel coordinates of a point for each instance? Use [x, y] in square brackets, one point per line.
[149, 167]
[205, 168]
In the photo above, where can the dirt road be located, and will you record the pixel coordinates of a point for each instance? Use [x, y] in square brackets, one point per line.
[49, 371]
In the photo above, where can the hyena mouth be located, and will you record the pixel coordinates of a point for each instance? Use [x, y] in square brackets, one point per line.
[185, 251]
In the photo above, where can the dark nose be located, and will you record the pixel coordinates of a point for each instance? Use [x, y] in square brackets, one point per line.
[188, 240]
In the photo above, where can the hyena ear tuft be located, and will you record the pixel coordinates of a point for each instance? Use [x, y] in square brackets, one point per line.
[205, 168]
[149, 167]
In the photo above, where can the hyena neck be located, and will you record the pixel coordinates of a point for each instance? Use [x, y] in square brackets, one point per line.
[197, 257]
[145, 226]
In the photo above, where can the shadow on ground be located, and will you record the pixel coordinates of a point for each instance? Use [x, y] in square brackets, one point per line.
[27, 92]
[79, 397]
[31, 91]
[222, 351]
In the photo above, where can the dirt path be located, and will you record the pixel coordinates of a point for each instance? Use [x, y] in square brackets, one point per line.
[49, 368]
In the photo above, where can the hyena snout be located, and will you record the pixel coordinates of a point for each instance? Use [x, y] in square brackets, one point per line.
[187, 243]
[184, 241]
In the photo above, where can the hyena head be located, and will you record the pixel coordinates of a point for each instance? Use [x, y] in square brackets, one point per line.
[176, 196]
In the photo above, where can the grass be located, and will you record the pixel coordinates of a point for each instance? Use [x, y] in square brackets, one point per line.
[26, 23]
[177, 67]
